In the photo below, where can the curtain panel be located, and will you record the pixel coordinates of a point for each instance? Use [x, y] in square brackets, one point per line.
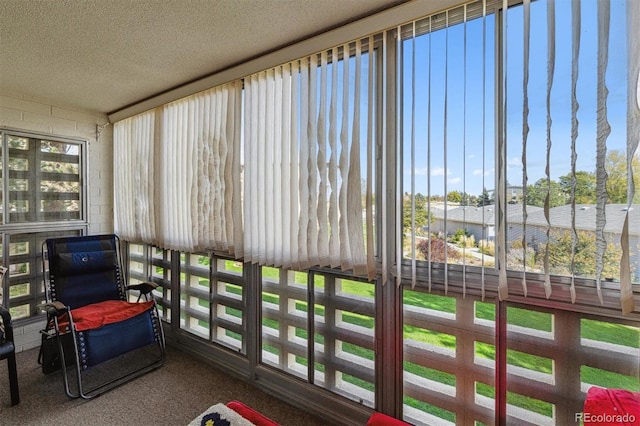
[177, 181]
[134, 177]
[308, 162]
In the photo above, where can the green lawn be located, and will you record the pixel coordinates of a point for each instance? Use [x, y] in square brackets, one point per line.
[590, 329]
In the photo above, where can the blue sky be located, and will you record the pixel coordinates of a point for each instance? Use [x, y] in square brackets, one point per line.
[468, 163]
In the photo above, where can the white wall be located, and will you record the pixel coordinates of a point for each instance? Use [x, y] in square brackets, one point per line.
[19, 112]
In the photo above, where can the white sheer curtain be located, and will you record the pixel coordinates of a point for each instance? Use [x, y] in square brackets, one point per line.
[177, 180]
[303, 157]
[134, 177]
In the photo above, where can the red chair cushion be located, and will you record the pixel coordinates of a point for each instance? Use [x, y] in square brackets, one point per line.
[96, 315]
[379, 419]
[611, 407]
[250, 414]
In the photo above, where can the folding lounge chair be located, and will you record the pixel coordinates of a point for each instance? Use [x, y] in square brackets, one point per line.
[88, 309]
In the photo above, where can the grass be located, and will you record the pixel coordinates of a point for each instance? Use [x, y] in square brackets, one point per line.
[590, 329]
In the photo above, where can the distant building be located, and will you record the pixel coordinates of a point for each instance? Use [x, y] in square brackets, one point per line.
[481, 222]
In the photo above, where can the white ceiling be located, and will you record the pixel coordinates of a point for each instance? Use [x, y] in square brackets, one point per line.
[103, 55]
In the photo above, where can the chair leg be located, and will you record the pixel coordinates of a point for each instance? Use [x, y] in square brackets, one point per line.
[13, 379]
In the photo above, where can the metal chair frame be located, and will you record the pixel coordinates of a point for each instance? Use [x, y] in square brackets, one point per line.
[56, 308]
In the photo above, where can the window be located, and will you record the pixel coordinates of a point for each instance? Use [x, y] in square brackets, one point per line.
[41, 179]
[504, 177]
[42, 191]
[152, 264]
[476, 181]
[526, 181]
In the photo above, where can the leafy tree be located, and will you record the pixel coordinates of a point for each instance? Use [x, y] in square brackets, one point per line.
[459, 197]
[421, 199]
[617, 176]
[585, 187]
[454, 196]
[537, 193]
[421, 216]
[585, 254]
[485, 199]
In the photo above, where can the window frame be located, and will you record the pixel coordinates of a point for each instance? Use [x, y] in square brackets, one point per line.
[32, 231]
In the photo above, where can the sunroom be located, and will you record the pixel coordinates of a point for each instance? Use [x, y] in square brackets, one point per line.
[426, 209]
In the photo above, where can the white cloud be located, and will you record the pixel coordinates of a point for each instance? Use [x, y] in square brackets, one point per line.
[439, 171]
[421, 172]
[514, 162]
[481, 172]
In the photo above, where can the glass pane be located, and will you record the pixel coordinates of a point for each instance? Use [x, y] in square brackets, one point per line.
[45, 184]
[195, 295]
[229, 315]
[448, 185]
[344, 313]
[443, 348]
[18, 142]
[59, 167]
[284, 321]
[59, 147]
[25, 282]
[614, 351]
[556, 182]
[19, 164]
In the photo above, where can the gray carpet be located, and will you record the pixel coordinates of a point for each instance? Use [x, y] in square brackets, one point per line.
[174, 394]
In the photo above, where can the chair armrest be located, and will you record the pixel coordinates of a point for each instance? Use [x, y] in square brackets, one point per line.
[144, 288]
[6, 325]
[54, 308]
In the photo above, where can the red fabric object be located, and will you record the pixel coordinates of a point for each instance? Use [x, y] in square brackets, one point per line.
[250, 414]
[379, 419]
[96, 315]
[608, 407]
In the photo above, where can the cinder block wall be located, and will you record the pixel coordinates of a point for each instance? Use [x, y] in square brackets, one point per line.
[21, 112]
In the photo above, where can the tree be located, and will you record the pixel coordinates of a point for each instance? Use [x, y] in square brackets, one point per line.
[585, 255]
[585, 187]
[537, 193]
[459, 197]
[485, 199]
[454, 197]
[421, 216]
[617, 177]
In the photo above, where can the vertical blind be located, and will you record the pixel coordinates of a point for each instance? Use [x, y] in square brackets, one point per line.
[301, 176]
[134, 177]
[177, 180]
[308, 150]
[280, 171]
[540, 138]
[633, 140]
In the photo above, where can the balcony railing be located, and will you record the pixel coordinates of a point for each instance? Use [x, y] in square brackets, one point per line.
[449, 351]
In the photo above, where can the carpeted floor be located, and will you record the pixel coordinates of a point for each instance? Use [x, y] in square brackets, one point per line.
[171, 395]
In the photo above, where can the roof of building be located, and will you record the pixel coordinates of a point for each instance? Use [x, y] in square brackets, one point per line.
[559, 217]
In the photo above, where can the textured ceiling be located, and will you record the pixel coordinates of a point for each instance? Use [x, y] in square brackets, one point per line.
[102, 55]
